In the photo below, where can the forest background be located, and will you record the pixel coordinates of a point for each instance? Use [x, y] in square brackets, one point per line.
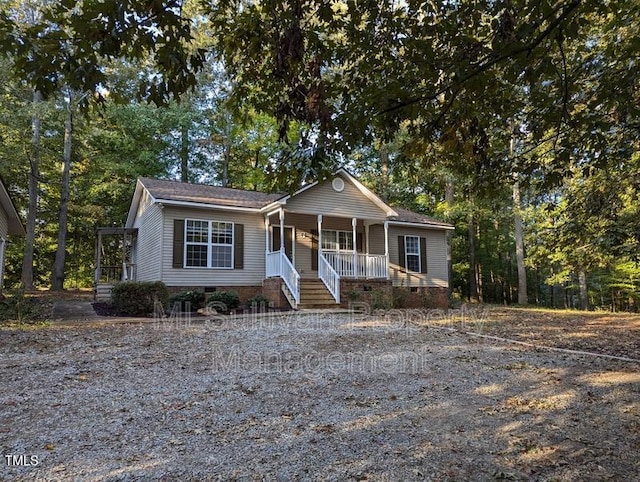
[516, 121]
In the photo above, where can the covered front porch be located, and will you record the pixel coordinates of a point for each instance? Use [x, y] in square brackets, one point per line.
[114, 259]
[326, 248]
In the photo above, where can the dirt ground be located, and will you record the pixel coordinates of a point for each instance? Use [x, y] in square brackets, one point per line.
[405, 396]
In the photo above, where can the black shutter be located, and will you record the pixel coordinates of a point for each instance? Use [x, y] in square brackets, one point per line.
[178, 243]
[275, 238]
[238, 246]
[359, 242]
[401, 251]
[423, 255]
[314, 250]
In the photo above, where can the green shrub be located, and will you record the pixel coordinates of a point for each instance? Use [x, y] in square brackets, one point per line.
[259, 300]
[380, 300]
[354, 295]
[399, 295]
[224, 301]
[138, 298]
[194, 298]
[17, 307]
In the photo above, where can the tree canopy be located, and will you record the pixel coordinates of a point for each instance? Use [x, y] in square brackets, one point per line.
[442, 106]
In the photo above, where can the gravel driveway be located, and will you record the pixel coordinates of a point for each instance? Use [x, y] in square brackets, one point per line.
[315, 397]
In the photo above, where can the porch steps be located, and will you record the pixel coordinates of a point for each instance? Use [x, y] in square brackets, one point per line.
[103, 292]
[289, 295]
[314, 294]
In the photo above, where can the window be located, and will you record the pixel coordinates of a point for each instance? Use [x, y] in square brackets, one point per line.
[337, 240]
[208, 244]
[412, 253]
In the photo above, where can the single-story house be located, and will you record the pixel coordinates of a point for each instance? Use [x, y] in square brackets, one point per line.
[330, 243]
[10, 224]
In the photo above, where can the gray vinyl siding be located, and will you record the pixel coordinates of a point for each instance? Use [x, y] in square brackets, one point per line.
[376, 239]
[254, 250]
[149, 245]
[437, 272]
[322, 199]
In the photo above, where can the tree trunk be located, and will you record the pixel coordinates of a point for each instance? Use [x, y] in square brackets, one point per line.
[226, 153]
[184, 153]
[582, 283]
[57, 279]
[448, 198]
[384, 171]
[34, 177]
[522, 273]
[471, 235]
[256, 164]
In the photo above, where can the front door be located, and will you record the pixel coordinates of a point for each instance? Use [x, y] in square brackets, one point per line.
[289, 232]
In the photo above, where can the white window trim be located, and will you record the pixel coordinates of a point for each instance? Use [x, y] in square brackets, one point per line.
[337, 231]
[209, 244]
[407, 254]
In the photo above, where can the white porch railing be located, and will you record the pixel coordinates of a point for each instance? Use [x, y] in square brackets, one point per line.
[359, 265]
[273, 263]
[329, 277]
[278, 264]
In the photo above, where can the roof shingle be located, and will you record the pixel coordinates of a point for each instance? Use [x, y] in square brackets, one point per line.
[198, 193]
[164, 190]
[406, 216]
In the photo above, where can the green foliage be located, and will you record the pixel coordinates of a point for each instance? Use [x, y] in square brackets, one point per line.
[259, 301]
[399, 297]
[195, 300]
[354, 295]
[380, 300]
[17, 307]
[139, 298]
[224, 301]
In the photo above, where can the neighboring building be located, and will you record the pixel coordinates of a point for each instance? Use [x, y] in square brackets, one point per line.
[10, 224]
[329, 243]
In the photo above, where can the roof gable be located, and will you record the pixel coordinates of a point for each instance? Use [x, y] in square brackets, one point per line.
[353, 199]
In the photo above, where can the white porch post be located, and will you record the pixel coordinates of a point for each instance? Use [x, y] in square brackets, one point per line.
[281, 239]
[354, 222]
[319, 237]
[386, 244]
[282, 230]
[366, 238]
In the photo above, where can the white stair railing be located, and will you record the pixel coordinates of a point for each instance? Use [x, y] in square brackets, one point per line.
[329, 277]
[279, 264]
[290, 276]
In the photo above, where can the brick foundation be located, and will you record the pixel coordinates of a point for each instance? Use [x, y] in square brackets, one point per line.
[272, 290]
[245, 293]
[375, 293]
[421, 297]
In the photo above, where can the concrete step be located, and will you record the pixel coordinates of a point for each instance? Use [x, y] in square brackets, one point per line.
[103, 292]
